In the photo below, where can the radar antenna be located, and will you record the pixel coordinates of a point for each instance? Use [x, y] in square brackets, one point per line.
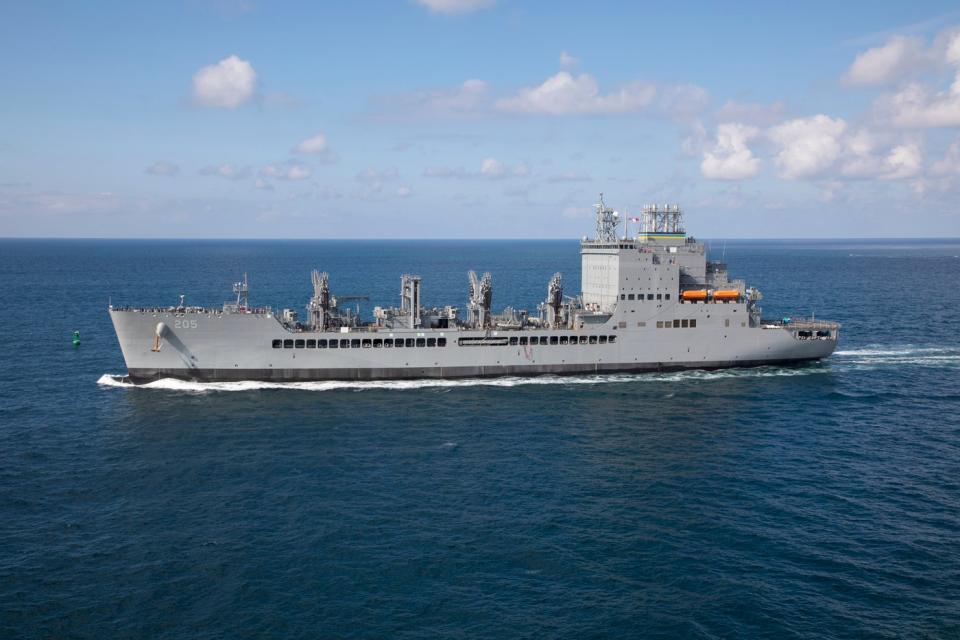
[607, 221]
[242, 289]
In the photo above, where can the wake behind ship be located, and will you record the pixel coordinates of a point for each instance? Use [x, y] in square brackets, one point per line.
[649, 302]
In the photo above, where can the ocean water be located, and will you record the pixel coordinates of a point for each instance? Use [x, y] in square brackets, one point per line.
[814, 502]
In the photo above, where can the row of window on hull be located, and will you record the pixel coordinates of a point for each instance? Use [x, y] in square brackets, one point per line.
[639, 296]
[360, 343]
[504, 341]
[680, 324]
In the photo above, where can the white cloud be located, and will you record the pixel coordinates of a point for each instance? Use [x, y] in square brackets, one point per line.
[403, 191]
[456, 6]
[917, 106]
[903, 161]
[683, 102]
[162, 169]
[315, 145]
[287, 171]
[566, 94]
[730, 158]
[567, 61]
[228, 171]
[490, 168]
[808, 146]
[229, 83]
[370, 175]
[263, 185]
[950, 164]
[887, 63]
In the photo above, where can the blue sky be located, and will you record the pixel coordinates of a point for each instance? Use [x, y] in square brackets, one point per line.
[477, 118]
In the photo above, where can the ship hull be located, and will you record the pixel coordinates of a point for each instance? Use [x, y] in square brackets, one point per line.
[210, 346]
[145, 376]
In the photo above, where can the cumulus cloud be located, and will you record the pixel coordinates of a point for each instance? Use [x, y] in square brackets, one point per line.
[287, 171]
[729, 158]
[566, 94]
[227, 84]
[162, 169]
[490, 168]
[918, 106]
[863, 158]
[315, 145]
[898, 57]
[567, 61]
[808, 146]
[403, 191]
[456, 6]
[950, 163]
[228, 171]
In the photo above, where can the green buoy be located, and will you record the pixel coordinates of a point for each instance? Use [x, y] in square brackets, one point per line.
[76, 338]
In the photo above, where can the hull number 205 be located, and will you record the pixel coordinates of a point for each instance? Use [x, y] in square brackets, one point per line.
[185, 324]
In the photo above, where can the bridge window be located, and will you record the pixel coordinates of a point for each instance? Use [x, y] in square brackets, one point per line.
[321, 344]
[649, 296]
[603, 339]
[623, 296]
[334, 344]
[514, 341]
[659, 296]
[612, 339]
[277, 344]
[563, 340]
[421, 342]
[693, 323]
[299, 344]
[583, 339]
[630, 297]
[441, 342]
[411, 342]
[554, 340]
[311, 344]
[355, 343]
[666, 296]
[378, 343]
[431, 342]
[684, 324]
[524, 340]
[288, 344]
[345, 344]
[398, 343]
[593, 339]
[676, 324]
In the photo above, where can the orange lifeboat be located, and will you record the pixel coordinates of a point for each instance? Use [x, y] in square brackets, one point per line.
[725, 295]
[694, 296]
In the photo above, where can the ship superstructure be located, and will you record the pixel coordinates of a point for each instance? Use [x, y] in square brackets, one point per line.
[650, 300]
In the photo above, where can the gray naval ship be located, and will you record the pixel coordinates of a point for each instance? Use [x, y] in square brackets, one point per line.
[650, 301]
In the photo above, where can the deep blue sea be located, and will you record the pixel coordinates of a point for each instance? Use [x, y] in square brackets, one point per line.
[813, 502]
